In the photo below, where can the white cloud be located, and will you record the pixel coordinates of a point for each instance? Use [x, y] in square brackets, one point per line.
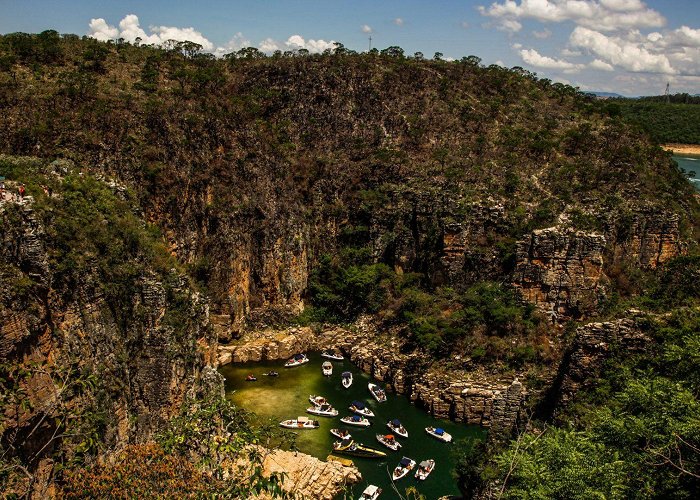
[509, 25]
[269, 45]
[545, 33]
[398, 21]
[102, 31]
[618, 51]
[237, 42]
[296, 42]
[605, 15]
[601, 65]
[517, 46]
[367, 29]
[534, 58]
[130, 29]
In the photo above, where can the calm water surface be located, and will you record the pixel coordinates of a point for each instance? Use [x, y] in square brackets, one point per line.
[690, 163]
[286, 396]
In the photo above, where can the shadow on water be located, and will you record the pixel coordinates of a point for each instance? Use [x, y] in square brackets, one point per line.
[286, 396]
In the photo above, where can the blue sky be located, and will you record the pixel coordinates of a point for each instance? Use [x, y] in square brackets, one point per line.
[628, 46]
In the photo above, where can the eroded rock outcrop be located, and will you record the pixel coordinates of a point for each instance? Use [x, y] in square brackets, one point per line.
[560, 271]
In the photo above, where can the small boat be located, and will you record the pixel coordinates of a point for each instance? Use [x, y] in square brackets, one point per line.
[347, 379]
[439, 433]
[356, 420]
[389, 441]
[377, 392]
[250, 378]
[298, 359]
[341, 433]
[300, 423]
[317, 400]
[323, 411]
[424, 469]
[405, 466]
[397, 427]
[327, 368]
[360, 408]
[271, 374]
[371, 492]
[350, 447]
[331, 354]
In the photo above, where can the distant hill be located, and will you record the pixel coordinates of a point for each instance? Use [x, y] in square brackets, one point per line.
[605, 95]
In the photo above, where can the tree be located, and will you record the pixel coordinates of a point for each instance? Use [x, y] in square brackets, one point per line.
[393, 51]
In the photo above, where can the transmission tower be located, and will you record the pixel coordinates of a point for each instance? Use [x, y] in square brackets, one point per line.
[668, 92]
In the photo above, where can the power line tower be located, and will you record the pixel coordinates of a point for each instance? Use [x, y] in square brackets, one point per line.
[668, 92]
[370, 43]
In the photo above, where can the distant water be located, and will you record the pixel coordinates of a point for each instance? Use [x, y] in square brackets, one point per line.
[287, 397]
[690, 163]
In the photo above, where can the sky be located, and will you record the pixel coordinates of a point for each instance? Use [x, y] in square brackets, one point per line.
[631, 47]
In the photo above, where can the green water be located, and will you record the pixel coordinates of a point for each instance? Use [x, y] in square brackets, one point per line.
[690, 163]
[286, 396]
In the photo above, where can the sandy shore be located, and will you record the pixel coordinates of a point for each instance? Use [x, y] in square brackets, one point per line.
[686, 149]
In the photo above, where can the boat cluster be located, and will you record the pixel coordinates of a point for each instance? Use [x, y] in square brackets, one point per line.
[360, 415]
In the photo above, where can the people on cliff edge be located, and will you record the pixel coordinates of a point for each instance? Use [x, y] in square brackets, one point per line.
[22, 191]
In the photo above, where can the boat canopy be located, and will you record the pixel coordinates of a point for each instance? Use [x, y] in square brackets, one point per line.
[299, 357]
[359, 405]
[371, 490]
[389, 437]
[347, 374]
[439, 431]
[405, 462]
[302, 419]
[425, 464]
[356, 418]
[396, 422]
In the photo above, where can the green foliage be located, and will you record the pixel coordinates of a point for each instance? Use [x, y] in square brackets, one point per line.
[674, 122]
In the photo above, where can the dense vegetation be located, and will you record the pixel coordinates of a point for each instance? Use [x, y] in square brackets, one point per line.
[672, 121]
[355, 167]
[634, 433]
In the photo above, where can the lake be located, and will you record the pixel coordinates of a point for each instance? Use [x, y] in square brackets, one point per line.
[286, 396]
[690, 163]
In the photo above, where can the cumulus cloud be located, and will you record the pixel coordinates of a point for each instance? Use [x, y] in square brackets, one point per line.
[367, 29]
[605, 15]
[296, 42]
[237, 42]
[545, 33]
[130, 29]
[398, 21]
[601, 65]
[622, 52]
[534, 58]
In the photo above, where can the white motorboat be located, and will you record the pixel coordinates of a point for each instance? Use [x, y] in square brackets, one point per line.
[389, 441]
[377, 392]
[300, 423]
[371, 492]
[439, 433]
[405, 466]
[327, 368]
[356, 420]
[323, 411]
[424, 469]
[330, 354]
[341, 433]
[398, 428]
[360, 408]
[298, 359]
[347, 379]
[317, 400]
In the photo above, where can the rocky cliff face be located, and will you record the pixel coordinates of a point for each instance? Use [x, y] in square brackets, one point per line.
[560, 271]
[470, 396]
[593, 344]
[78, 375]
